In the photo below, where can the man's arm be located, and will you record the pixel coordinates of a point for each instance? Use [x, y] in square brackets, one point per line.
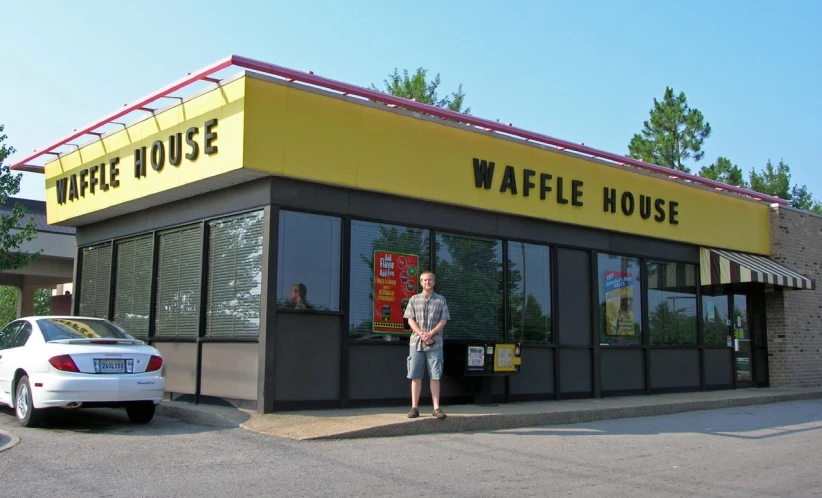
[436, 330]
[415, 326]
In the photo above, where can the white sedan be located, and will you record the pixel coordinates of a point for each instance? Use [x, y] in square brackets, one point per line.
[72, 362]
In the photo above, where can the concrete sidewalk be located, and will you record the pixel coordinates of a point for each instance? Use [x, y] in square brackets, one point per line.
[392, 421]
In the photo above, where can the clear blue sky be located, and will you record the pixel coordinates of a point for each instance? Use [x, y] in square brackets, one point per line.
[585, 71]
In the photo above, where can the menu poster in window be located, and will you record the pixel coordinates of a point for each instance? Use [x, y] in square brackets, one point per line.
[619, 303]
[395, 281]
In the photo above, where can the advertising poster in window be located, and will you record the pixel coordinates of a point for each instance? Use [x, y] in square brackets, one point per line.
[619, 303]
[395, 281]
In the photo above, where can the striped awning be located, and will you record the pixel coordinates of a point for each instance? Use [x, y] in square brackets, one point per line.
[728, 267]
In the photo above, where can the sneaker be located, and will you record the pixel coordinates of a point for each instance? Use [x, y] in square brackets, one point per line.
[414, 413]
[439, 414]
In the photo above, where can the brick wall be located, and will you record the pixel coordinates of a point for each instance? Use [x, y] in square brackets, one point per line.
[794, 317]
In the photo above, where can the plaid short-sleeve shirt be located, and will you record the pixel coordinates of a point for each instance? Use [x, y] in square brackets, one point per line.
[427, 312]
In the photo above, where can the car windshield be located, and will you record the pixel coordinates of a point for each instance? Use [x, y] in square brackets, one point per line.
[56, 329]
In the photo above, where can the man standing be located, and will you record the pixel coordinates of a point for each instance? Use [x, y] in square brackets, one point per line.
[427, 314]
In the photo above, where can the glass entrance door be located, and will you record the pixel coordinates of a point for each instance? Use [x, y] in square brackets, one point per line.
[742, 341]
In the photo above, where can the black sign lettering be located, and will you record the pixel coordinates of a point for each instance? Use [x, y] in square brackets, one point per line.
[73, 188]
[195, 149]
[158, 155]
[175, 149]
[509, 181]
[544, 188]
[62, 186]
[659, 205]
[560, 198]
[101, 177]
[609, 206]
[673, 213]
[113, 171]
[627, 203]
[209, 137]
[139, 162]
[103, 182]
[645, 206]
[92, 177]
[483, 173]
[576, 192]
[83, 182]
[527, 184]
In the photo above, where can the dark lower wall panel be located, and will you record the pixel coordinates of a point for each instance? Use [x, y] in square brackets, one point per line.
[229, 370]
[379, 371]
[674, 368]
[622, 369]
[307, 354]
[574, 297]
[575, 371]
[718, 367]
[179, 366]
[536, 376]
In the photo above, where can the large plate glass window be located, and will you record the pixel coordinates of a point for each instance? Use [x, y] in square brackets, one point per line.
[620, 303]
[368, 239]
[672, 319]
[95, 280]
[178, 282]
[529, 293]
[132, 289]
[469, 275]
[308, 266]
[235, 259]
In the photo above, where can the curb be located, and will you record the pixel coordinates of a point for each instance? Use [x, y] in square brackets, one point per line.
[232, 418]
[490, 422]
[7, 440]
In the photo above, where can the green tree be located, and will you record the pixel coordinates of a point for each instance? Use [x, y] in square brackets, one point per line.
[674, 133]
[42, 302]
[8, 304]
[776, 181]
[13, 232]
[773, 181]
[801, 198]
[723, 170]
[417, 87]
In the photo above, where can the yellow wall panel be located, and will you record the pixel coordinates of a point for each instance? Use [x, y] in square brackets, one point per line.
[326, 139]
[281, 129]
[225, 104]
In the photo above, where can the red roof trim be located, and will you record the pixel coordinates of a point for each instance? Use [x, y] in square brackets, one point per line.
[390, 100]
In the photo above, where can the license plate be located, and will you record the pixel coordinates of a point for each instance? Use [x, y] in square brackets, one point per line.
[110, 366]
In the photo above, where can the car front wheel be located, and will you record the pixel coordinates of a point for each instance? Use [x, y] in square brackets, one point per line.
[27, 415]
[141, 413]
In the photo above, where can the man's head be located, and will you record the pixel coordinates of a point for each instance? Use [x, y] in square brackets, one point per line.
[427, 281]
[298, 292]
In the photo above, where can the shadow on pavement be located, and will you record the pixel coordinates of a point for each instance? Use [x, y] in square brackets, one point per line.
[107, 420]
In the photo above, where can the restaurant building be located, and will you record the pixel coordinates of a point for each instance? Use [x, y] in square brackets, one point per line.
[265, 231]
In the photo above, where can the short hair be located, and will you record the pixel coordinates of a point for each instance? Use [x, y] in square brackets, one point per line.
[300, 288]
[428, 272]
